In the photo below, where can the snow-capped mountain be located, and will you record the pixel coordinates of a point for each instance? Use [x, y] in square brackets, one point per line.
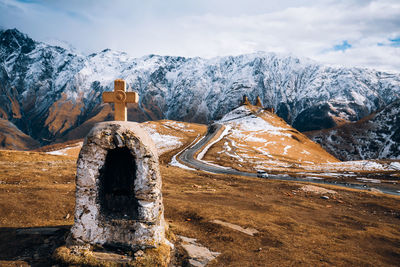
[374, 137]
[49, 92]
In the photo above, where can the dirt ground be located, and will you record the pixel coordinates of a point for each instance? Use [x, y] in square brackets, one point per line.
[296, 228]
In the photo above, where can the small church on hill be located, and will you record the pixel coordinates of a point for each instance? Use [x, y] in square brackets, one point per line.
[246, 101]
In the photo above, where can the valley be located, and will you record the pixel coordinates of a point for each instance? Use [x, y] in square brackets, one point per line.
[297, 223]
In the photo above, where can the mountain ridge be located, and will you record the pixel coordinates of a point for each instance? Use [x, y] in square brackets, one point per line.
[376, 136]
[48, 91]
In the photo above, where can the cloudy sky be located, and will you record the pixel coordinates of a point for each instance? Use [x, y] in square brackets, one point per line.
[350, 32]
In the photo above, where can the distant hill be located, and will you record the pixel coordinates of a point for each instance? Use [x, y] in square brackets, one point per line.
[12, 138]
[256, 139]
[376, 136]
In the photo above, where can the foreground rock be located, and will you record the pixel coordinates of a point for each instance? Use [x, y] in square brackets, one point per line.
[198, 255]
[247, 231]
[317, 189]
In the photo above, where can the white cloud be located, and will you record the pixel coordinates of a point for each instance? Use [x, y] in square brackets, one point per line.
[216, 28]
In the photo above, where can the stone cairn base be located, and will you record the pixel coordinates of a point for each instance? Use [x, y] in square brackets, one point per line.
[74, 255]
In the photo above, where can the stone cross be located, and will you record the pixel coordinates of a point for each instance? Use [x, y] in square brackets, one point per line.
[120, 98]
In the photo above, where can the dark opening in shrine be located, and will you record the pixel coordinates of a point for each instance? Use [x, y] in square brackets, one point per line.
[117, 184]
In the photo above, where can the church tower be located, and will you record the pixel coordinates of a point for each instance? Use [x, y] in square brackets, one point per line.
[258, 102]
[245, 100]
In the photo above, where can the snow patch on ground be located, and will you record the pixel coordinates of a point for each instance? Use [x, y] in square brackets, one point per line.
[63, 152]
[369, 180]
[265, 153]
[58, 152]
[240, 112]
[359, 165]
[227, 147]
[176, 163]
[256, 124]
[285, 150]
[395, 165]
[250, 138]
[241, 120]
[215, 165]
[164, 143]
[178, 126]
[204, 151]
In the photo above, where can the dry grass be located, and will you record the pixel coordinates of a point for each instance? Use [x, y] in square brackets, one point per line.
[62, 115]
[85, 258]
[152, 257]
[351, 228]
[296, 228]
[185, 132]
[58, 146]
[34, 186]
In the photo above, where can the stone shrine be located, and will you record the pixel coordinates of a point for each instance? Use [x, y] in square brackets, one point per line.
[118, 185]
[118, 189]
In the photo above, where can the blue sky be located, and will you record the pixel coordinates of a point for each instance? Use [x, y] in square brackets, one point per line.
[363, 33]
[343, 46]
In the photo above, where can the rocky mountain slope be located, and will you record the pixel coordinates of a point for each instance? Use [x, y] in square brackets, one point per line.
[376, 136]
[12, 138]
[51, 93]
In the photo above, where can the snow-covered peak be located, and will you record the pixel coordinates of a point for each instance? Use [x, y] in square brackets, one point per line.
[235, 114]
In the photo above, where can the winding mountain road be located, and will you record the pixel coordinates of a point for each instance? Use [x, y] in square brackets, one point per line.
[187, 156]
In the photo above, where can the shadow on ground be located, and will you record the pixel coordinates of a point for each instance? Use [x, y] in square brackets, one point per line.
[31, 246]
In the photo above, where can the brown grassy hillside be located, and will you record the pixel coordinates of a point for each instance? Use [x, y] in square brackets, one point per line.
[12, 138]
[295, 227]
[257, 139]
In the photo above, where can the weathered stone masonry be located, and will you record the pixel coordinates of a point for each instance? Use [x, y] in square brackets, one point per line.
[118, 189]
